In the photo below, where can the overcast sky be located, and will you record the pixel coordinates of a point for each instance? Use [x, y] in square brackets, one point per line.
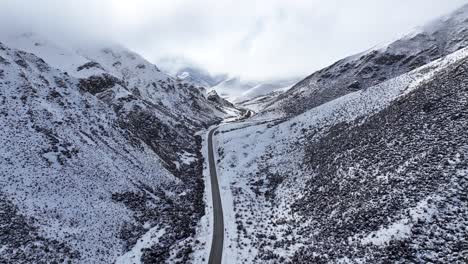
[255, 39]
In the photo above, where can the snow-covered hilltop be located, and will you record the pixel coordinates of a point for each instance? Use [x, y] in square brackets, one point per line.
[98, 150]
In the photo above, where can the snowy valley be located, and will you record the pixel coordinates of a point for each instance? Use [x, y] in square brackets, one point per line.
[105, 156]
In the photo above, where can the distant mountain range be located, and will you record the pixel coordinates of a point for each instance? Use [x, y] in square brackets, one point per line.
[247, 93]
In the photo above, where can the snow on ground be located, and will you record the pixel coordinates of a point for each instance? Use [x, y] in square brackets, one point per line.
[247, 214]
[401, 229]
[204, 232]
[187, 158]
[149, 239]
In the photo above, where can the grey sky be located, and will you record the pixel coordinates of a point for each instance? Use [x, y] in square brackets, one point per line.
[252, 38]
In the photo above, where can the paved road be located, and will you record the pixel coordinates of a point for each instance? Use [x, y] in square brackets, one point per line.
[216, 253]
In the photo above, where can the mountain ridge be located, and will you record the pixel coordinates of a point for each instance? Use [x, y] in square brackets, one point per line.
[435, 40]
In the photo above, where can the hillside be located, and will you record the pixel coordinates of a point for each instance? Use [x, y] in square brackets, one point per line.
[99, 149]
[375, 176]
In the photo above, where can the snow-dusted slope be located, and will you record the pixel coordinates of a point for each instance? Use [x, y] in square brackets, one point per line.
[369, 68]
[98, 150]
[265, 88]
[63, 160]
[378, 175]
[135, 73]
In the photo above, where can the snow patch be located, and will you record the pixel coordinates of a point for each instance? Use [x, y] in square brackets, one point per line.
[149, 239]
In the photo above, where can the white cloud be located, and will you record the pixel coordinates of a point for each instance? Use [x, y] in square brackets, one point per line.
[255, 39]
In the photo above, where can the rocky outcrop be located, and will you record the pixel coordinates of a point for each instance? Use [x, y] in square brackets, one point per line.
[99, 83]
[90, 65]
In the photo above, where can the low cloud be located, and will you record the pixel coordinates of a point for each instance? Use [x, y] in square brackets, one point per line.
[254, 39]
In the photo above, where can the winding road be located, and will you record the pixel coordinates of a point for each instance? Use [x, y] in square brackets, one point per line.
[216, 253]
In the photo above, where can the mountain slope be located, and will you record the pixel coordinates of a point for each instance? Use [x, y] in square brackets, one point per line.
[372, 67]
[401, 177]
[63, 159]
[100, 150]
[252, 95]
[232, 88]
[375, 176]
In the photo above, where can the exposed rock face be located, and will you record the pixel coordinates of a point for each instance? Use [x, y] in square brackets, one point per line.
[214, 97]
[90, 65]
[99, 83]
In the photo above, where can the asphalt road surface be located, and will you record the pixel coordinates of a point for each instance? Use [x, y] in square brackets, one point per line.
[216, 252]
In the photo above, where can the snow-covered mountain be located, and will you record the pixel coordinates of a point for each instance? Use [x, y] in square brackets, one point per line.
[190, 72]
[99, 155]
[364, 70]
[379, 175]
[199, 77]
[252, 95]
[233, 87]
[375, 173]
[249, 94]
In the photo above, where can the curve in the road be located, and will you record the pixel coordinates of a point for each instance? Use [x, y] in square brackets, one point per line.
[216, 252]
